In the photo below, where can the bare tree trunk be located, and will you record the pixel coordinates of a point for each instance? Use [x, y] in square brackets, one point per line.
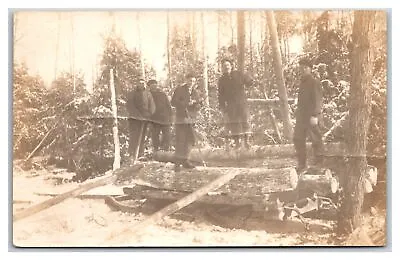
[251, 41]
[267, 74]
[194, 34]
[241, 37]
[218, 31]
[140, 45]
[359, 120]
[169, 52]
[117, 154]
[232, 27]
[57, 45]
[73, 54]
[205, 65]
[287, 125]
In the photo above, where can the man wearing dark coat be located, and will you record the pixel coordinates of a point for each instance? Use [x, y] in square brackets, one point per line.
[186, 102]
[233, 102]
[308, 116]
[140, 105]
[161, 119]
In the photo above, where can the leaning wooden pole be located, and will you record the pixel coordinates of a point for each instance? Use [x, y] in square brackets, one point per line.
[284, 106]
[172, 208]
[117, 153]
[75, 192]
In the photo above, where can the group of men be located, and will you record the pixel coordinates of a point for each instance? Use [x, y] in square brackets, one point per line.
[150, 105]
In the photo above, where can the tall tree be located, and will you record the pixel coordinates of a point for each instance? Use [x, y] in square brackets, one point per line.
[251, 40]
[359, 120]
[57, 45]
[169, 51]
[140, 44]
[241, 37]
[284, 106]
[72, 45]
[205, 64]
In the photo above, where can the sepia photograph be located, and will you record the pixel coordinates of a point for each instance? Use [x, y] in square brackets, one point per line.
[199, 128]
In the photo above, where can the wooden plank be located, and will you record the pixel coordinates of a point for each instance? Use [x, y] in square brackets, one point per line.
[107, 179]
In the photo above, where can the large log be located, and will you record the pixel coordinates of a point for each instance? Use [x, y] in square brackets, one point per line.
[107, 179]
[255, 152]
[251, 182]
[172, 208]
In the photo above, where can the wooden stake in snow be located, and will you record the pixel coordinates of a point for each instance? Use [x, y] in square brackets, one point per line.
[75, 192]
[117, 154]
[172, 208]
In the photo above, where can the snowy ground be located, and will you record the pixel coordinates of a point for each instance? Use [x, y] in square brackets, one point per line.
[91, 223]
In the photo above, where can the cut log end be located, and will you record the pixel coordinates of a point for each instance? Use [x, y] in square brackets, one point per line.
[294, 178]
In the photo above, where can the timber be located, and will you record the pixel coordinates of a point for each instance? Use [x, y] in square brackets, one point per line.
[185, 201]
[251, 182]
[254, 152]
[107, 179]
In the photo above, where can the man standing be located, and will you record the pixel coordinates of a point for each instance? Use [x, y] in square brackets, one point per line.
[233, 102]
[140, 105]
[161, 119]
[308, 117]
[186, 103]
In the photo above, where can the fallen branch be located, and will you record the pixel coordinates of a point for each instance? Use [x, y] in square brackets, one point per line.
[110, 178]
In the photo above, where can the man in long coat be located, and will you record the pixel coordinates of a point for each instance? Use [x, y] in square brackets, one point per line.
[140, 105]
[186, 102]
[233, 102]
[308, 117]
[161, 119]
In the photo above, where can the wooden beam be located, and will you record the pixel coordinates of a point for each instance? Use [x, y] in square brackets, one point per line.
[107, 179]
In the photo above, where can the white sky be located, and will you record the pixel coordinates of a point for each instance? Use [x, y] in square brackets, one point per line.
[37, 38]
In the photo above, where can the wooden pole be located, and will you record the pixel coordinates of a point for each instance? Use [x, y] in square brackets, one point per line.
[172, 208]
[287, 125]
[75, 192]
[117, 153]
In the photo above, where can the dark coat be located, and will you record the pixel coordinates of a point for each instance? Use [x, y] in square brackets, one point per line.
[140, 104]
[309, 99]
[186, 112]
[163, 112]
[232, 96]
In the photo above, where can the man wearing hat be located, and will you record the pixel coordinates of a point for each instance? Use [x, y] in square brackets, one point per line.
[187, 102]
[233, 102]
[140, 105]
[161, 119]
[308, 117]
